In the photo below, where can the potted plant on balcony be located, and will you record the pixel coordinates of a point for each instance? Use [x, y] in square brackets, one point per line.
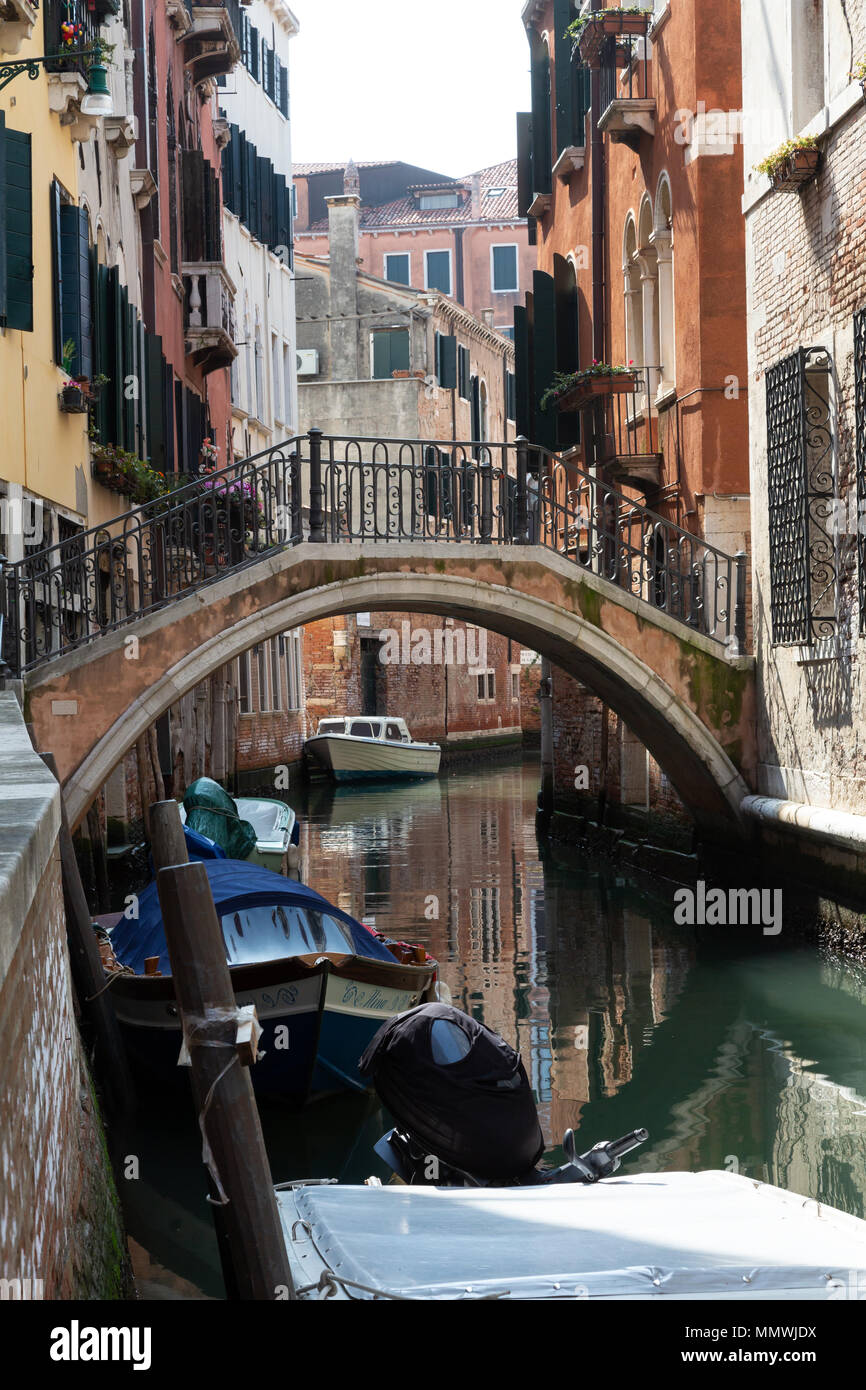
[75, 392]
[123, 472]
[792, 164]
[590, 31]
[571, 391]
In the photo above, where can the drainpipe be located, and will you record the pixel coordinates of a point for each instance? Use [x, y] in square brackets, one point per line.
[599, 319]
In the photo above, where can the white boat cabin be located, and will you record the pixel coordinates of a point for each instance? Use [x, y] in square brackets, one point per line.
[384, 728]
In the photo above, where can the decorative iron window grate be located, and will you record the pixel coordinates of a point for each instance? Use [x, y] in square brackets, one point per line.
[860, 417]
[802, 499]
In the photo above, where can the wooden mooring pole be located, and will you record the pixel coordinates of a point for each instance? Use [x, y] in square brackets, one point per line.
[89, 978]
[234, 1146]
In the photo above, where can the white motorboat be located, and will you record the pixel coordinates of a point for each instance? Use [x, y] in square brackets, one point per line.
[276, 827]
[363, 747]
[697, 1236]
[215, 817]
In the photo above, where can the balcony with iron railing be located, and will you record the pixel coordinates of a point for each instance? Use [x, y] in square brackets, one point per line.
[627, 104]
[211, 47]
[621, 425]
[209, 315]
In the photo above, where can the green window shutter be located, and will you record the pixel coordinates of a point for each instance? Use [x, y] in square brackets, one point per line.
[233, 150]
[243, 209]
[2, 219]
[255, 49]
[523, 368]
[524, 162]
[266, 193]
[390, 352]
[56, 272]
[252, 190]
[463, 372]
[544, 365]
[542, 161]
[19, 232]
[446, 361]
[130, 369]
[76, 309]
[565, 292]
[284, 89]
[282, 227]
[562, 47]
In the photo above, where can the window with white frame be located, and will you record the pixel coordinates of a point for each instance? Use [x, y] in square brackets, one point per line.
[437, 271]
[263, 677]
[277, 374]
[503, 269]
[276, 673]
[398, 267]
[244, 680]
[485, 687]
[515, 685]
[287, 383]
[291, 645]
[428, 201]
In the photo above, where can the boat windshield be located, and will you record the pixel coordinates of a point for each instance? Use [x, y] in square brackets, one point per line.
[394, 733]
[332, 726]
[262, 933]
[366, 728]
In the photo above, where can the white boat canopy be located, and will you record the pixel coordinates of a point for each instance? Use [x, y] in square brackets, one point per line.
[709, 1235]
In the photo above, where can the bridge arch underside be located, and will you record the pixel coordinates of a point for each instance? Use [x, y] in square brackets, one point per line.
[117, 698]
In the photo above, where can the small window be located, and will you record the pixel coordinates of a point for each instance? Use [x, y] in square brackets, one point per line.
[397, 268]
[493, 192]
[428, 201]
[361, 729]
[491, 685]
[503, 278]
[515, 686]
[245, 703]
[481, 681]
[438, 271]
[392, 732]
[332, 726]
[390, 352]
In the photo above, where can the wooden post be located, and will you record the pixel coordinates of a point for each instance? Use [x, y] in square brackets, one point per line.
[167, 840]
[222, 1087]
[89, 977]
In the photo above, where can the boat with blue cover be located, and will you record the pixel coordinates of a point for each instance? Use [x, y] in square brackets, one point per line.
[321, 982]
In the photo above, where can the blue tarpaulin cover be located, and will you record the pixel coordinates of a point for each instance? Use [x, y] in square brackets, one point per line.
[275, 933]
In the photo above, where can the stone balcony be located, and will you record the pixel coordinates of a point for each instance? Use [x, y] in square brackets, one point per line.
[210, 46]
[209, 315]
[17, 22]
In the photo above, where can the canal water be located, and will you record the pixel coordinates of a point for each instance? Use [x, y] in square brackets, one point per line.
[733, 1049]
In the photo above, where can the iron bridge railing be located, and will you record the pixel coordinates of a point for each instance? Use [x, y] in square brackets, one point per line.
[356, 491]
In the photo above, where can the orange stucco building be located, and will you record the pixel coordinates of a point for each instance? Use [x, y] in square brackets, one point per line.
[630, 174]
[635, 202]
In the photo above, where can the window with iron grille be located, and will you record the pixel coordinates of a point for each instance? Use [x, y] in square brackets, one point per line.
[801, 492]
[860, 416]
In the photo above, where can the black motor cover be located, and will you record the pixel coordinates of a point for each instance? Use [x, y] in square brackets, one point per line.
[476, 1113]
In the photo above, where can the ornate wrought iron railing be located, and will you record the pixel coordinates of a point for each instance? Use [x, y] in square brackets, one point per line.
[802, 495]
[625, 66]
[360, 491]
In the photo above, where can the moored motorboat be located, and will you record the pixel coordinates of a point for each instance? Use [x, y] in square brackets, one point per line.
[256, 829]
[365, 747]
[475, 1216]
[322, 983]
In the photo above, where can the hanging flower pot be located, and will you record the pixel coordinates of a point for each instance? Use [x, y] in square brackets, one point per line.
[576, 390]
[793, 164]
[73, 399]
[591, 31]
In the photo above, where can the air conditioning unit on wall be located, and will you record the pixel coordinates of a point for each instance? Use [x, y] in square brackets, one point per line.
[308, 362]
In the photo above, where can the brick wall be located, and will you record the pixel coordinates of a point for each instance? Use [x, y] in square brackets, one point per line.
[59, 1218]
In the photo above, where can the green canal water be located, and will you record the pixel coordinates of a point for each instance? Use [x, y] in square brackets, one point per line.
[733, 1049]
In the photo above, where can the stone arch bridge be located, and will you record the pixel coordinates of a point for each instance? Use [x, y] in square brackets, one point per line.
[111, 628]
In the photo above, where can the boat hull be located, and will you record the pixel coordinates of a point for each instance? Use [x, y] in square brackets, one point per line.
[317, 1017]
[349, 759]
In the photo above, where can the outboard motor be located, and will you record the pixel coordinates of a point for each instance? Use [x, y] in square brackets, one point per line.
[464, 1108]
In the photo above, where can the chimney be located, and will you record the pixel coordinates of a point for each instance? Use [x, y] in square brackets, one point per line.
[475, 206]
[344, 220]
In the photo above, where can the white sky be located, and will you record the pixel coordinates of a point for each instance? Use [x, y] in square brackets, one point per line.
[432, 82]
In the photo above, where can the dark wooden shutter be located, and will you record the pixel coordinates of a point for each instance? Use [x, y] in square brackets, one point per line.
[255, 46]
[284, 88]
[544, 347]
[155, 402]
[2, 218]
[463, 372]
[266, 194]
[565, 291]
[282, 224]
[130, 370]
[56, 271]
[541, 142]
[76, 309]
[252, 190]
[570, 79]
[523, 369]
[446, 361]
[19, 232]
